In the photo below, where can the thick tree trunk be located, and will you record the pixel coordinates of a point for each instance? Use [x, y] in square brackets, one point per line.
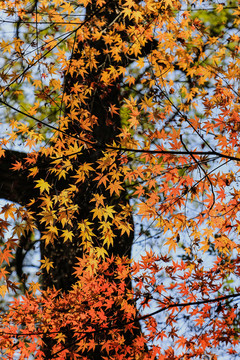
[17, 187]
[104, 132]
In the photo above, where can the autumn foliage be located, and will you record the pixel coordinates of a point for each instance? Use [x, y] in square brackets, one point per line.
[119, 163]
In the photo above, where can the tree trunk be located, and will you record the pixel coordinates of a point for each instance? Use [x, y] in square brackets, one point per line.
[18, 187]
[104, 132]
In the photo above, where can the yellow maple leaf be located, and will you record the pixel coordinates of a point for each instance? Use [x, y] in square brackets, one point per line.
[43, 185]
[46, 263]
[101, 252]
[108, 212]
[3, 290]
[37, 83]
[99, 199]
[124, 227]
[60, 337]
[107, 237]
[172, 244]
[34, 286]
[67, 235]
[98, 212]
[6, 46]
[67, 8]
[33, 171]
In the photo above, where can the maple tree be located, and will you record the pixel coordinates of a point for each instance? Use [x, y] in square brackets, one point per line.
[120, 124]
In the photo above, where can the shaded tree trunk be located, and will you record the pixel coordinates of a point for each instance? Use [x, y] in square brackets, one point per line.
[18, 187]
[104, 132]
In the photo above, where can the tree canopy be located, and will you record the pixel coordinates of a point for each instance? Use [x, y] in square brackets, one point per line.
[119, 156]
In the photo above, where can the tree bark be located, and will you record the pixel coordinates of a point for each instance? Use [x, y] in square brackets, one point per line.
[104, 132]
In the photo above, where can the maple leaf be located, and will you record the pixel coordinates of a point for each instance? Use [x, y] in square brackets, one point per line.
[8, 210]
[181, 342]
[60, 337]
[33, 171]
[113, 109]
[98, 212]
[115, 187]
[43, 185]
[101, 252]
[2, 152]
[99, 199]
[86, 230]
[6, 46]
[46, 263]
[199, 321]
[108, 211]
[34, 287]
[17, 166]
[3, 273]
[67, 235]
[3, 290]
[6, 255]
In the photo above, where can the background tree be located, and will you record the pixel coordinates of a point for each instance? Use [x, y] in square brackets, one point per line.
[111, 101]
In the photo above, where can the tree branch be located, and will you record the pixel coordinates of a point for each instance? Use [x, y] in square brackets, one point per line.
[182, 305]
